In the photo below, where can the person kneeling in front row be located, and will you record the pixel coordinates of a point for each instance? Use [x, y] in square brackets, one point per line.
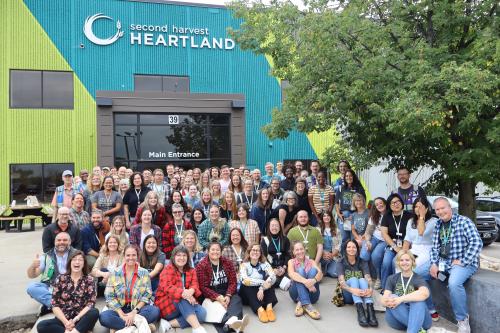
[305, 275]
[355, 281]
[404, 297]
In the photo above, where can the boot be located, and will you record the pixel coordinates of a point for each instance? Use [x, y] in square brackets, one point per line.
[370, 311]
[362, 321]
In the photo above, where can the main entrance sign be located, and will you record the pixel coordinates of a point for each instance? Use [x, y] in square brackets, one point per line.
[167, 35]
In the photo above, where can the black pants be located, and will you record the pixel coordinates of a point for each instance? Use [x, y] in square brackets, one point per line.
[85, 324]
[249, 297]
[235, 308]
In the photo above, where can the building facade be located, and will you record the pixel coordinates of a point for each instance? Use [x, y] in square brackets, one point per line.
[136, 83]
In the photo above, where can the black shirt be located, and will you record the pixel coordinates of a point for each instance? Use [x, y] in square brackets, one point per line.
[303, 202]
[358, 270]
[271, 252]
[133, 199]
[289, 214]
[393, 284]
[388, 221]
[219, 282]
[288, 185]
[409, 195]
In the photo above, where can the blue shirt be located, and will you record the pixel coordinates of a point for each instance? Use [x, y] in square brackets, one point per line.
[466, 244]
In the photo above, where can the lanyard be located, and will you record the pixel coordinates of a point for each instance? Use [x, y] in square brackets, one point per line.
[179, 233]
[129, 287]
[183, 277]
[216, 274]
[277, 247]
[445, 234]
[206, 209]
[405, 287]
[238, 256]
[229, 215]
[397, 224]
[138, 194]
[243, 230]
[306, 236]
[250, 202]
[322, 195]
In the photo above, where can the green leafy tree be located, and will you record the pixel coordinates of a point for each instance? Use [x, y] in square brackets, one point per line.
[413, 83]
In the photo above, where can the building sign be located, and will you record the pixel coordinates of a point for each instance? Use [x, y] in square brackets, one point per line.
[166, 35]
[170, 154]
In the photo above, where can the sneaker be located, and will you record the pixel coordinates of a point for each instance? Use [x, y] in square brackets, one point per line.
[244, 323]
[270, 314]
[422, 331]
[377, 285]
[43, 311]
[164, 326]
[262, 314]
[463, 326]
[435, 316]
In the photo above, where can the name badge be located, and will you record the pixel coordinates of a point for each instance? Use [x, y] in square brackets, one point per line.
[306, 242]
[399, 234]
[399, 243]
[442, 266]
[278, 254]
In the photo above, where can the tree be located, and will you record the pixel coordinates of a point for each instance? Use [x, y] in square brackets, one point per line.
[415, 83]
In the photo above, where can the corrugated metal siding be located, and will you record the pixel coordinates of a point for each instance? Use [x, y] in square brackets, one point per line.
[112, 67]
[39, 136]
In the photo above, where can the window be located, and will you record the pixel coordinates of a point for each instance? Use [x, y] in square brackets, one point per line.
[36, 179]
[161, 83]
[41, 89]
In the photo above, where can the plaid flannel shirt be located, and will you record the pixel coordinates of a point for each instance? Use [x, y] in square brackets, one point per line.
[465, 243]
[205, 229]
[160, 219]
[168, 236]
[115, 289]
[250, 231]
[205, 273]
[170, 288]
[135, 234]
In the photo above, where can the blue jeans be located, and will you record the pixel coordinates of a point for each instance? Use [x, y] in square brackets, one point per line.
[41, 293]
[387, 266]
[458, 276]
[409, 316]
[299, 293]
[345, 234]
[329, 268]
[112, 320]
[356, 283]
[184, 309]
[375, 255]
[423, 271]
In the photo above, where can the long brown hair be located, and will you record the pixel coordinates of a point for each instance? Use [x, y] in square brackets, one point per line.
[233, 209]
[374, 213]
[149, 261]
[333, 227]
[85, 269]
[262, 258]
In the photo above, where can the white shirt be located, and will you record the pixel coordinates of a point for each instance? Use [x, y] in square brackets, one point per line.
[143, 236]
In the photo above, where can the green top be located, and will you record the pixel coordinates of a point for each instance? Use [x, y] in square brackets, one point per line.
[310, 236]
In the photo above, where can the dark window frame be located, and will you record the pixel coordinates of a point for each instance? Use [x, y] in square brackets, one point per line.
[162, 79]
[41, 200]
[41, 71]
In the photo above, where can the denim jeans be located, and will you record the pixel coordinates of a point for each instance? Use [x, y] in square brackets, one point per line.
[356, 283]
[458, 276]
[376, 254]
[329, 268]
[112, 320]
[184, 309]
[345, 234]
[41, 293]
[85, 324]
[299, 293]
[409, 316]
[387, 266]
[423, 271]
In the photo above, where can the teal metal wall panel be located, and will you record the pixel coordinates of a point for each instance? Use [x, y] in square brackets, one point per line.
[212, 71]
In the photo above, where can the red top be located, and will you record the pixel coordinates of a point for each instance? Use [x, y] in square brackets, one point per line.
[170, 288]
[168, 236]
[204, 272]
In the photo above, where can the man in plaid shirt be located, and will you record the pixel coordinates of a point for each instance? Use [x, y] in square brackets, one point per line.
[455, 252]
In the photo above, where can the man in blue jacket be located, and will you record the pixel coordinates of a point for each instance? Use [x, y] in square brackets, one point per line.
[91, 244]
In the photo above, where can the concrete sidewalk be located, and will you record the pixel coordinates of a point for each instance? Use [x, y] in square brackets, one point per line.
[17, 251]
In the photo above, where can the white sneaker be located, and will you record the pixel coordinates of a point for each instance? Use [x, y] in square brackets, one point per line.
[200, 329]
[164, 326]
[231, 320]
[463, 326]
[244, 323]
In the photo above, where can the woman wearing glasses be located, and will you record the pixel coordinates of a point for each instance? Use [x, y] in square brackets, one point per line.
[173, 230]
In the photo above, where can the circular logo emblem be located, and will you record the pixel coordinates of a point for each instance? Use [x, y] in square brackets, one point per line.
[87, 30]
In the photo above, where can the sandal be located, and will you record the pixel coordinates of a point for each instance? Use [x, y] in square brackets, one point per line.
[299, 311]
[312, 312]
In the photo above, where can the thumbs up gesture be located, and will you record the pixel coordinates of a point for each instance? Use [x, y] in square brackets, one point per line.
[36, 262]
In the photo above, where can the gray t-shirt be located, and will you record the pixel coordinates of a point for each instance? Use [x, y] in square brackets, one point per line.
[394, 285]
[358, 270]
[360, 222]
[414, 238]
[105, 202]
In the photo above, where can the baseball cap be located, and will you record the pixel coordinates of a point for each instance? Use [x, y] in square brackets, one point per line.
[106, 168]
[67, 173]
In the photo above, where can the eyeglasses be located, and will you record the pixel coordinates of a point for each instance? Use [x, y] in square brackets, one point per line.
[393, 203]
[178, 212]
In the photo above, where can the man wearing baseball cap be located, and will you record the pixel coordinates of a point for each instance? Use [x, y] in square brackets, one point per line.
[63, 195]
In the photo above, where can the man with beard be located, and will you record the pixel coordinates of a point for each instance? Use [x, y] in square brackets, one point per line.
[49, 266]
[62, 224]
[93, 237]
[308, 235]
[408, 191]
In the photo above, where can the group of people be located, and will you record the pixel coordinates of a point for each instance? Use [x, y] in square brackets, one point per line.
[174, 247]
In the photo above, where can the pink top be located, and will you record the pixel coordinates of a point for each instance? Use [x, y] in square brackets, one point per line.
[307, 264]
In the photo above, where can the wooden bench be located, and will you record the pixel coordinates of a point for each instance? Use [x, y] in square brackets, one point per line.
[18, 221]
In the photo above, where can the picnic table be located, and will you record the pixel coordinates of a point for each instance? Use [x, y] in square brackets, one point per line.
[12, 218]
